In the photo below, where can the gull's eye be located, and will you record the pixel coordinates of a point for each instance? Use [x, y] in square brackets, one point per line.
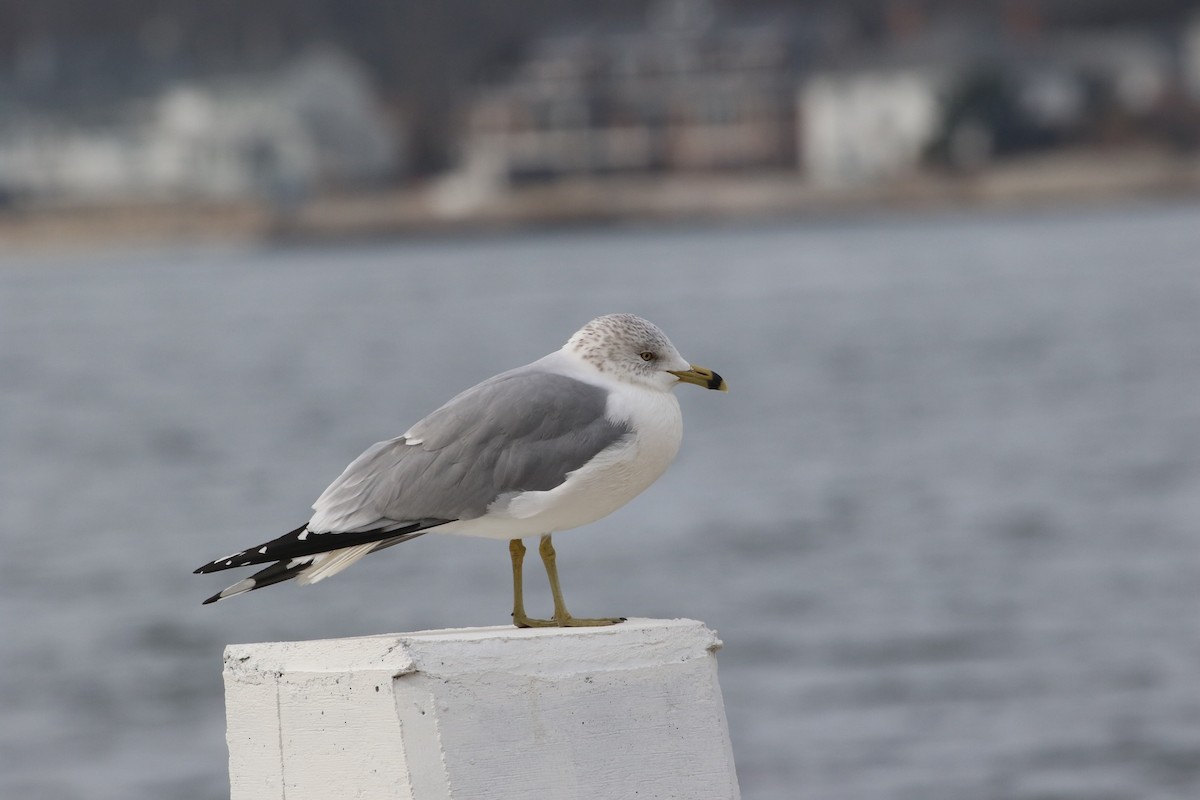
[646, 355]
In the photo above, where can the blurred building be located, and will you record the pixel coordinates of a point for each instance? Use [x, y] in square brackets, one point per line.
[313, 124]
[962, 95]
[832, 94]
[867, 125]
[695, 89]
[683, 93]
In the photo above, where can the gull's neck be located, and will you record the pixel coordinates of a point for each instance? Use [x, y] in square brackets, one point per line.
[568, 361]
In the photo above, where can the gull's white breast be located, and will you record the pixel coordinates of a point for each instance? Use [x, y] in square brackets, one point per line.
[604, 484]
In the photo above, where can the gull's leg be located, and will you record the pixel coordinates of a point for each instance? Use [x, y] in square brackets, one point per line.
[562, 617]
[516, 549]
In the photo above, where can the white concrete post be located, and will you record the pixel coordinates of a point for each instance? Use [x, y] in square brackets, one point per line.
[628, 711]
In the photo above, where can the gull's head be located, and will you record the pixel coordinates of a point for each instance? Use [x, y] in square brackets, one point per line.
[632, 349]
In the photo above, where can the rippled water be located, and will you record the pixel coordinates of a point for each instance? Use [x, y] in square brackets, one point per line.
[946, 522]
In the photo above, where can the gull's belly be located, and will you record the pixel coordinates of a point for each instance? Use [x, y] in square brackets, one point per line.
[596, 489]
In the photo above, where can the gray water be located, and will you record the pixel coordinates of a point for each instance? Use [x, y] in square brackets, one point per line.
[946, 521]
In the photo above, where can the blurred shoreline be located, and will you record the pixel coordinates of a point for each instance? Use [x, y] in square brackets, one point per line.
[1076, 178]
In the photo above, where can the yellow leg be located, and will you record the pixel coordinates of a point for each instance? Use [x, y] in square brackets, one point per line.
[562, 617]
[516, 550]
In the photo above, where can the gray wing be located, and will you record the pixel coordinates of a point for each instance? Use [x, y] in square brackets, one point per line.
[523, 430]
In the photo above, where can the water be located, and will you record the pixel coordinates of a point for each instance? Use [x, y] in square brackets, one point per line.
[945, 521]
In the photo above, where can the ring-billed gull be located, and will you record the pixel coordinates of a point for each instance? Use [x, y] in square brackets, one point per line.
[541, 448]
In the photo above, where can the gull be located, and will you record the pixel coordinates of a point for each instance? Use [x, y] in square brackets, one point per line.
[540, 449]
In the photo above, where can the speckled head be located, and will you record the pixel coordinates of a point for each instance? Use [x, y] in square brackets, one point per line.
[633, 349]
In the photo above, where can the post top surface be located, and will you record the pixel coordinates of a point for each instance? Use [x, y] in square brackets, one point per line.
[635, 642]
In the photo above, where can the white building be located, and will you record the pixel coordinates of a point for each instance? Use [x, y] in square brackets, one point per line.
[313, 124]
[863, 126]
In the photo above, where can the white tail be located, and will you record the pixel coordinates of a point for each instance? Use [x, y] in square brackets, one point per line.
[333, 562]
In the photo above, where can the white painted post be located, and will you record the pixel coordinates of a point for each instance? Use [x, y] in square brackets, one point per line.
[628, 711]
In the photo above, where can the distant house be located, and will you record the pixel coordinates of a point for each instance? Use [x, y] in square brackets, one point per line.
[681, 94]
[313, 124]
[47, 158]
[872, 112]
[866, 125]
[963, 95]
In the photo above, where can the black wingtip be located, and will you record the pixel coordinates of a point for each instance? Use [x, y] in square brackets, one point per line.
[229, 562]
[296, 544]
[212, 599]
